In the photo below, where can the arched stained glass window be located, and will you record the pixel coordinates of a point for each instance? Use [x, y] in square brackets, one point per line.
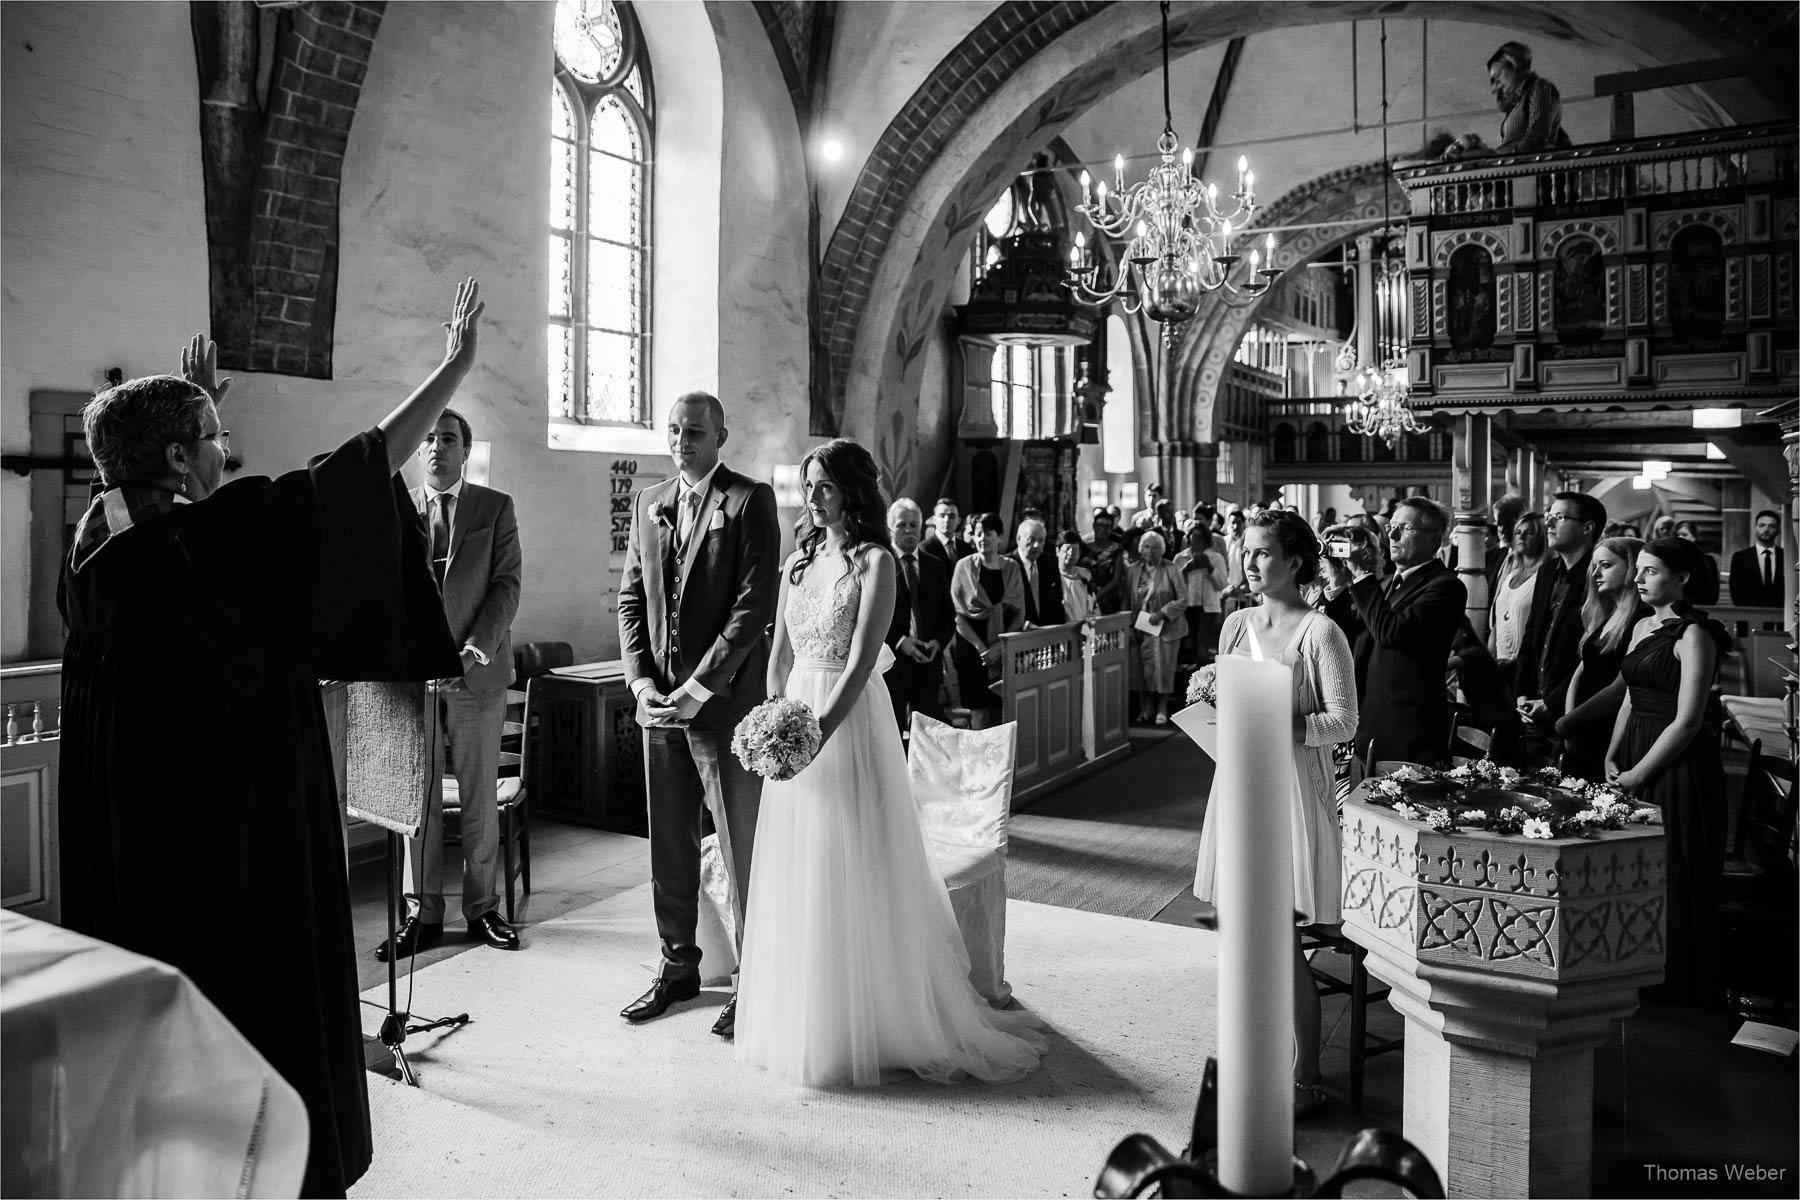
[602, 138]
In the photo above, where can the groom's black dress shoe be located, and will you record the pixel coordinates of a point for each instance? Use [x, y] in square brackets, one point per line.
[414, 935]
[726, 1025]
[490, 928]
[655, 1002]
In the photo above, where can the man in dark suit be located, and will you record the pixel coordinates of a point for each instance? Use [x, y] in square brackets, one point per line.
[923, 622]
[1550, 648]
[945, 541]
[475, 558]
[1403, 632]
[1043, 582]
[695, 602]
[1756, 570]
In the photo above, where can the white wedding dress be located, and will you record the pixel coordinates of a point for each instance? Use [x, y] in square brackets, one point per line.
[853, 969]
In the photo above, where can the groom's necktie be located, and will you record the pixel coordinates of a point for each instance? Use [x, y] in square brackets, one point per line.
[1768, 568]
[690, 509]
[440, 536]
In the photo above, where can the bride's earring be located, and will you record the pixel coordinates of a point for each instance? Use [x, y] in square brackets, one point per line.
[184, 482]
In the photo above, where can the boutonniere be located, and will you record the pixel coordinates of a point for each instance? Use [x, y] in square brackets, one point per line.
[662, 514]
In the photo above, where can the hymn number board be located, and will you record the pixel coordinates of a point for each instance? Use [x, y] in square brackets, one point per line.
[625, 478]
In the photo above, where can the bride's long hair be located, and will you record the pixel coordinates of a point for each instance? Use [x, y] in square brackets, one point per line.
[852, 468]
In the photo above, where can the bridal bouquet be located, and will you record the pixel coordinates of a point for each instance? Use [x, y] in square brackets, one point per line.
[777, 739]
[1203, 686]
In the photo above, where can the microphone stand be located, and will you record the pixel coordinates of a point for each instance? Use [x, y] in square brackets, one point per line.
[394, 1027]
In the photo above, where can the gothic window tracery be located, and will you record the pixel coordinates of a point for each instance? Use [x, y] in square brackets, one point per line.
[602, 138]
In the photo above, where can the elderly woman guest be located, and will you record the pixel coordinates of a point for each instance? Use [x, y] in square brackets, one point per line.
[200, 821]
[1078, 600]
[987, 589]
[1530, 108]
[1281, 556]
[1158, 598]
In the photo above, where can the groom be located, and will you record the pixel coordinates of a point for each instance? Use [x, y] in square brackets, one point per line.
[695, 603]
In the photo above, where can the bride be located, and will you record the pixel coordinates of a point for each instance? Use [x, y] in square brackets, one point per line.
[853, 969]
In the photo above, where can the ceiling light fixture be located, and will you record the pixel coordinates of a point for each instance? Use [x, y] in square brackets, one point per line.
[1180, 247]
[1383, 404]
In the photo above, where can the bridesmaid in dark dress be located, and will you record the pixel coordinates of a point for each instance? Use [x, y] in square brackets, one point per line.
[1609, 614]
[1660, 754]
[987, 589]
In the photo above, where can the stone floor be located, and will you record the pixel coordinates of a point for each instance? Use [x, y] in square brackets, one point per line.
[1674, 1099]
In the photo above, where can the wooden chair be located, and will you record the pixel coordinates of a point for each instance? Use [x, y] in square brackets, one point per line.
[1314, 938]
[1473, 738]
[537, 658]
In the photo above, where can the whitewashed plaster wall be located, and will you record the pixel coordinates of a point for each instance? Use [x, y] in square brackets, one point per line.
[103, 237]
[764, 363]
[447, 175]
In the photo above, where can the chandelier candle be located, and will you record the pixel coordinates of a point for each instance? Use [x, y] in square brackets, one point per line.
[1256, 925]
[1177, 241]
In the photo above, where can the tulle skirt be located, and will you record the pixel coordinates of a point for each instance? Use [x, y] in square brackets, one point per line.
[853, 968]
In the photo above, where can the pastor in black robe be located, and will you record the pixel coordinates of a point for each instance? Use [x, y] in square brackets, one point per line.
[199, 813]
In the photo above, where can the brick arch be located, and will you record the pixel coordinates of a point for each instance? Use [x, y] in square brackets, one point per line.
[1350, 201]
[273, 172]
[1016, 80]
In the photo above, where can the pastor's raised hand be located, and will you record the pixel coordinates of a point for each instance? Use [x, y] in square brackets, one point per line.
[459, 330]
[199, 365]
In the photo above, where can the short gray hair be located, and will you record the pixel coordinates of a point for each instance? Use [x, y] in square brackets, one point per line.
[903, 505]
[1028, 523]
[129, 427]
[1152, 536]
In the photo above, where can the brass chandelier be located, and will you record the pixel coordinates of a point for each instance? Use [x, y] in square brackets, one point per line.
[1181, 241]
[1383, 404]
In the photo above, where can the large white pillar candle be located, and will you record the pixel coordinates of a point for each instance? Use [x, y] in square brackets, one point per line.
[1255, 896]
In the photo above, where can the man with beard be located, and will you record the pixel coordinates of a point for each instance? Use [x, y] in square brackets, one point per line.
[1530, 108]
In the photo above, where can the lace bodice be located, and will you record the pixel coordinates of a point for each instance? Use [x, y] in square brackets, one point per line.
[822, 617]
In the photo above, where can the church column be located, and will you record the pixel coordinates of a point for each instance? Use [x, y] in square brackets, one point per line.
[1205, 472]
[1472, 491]
[1524, 475]
[1367, 350]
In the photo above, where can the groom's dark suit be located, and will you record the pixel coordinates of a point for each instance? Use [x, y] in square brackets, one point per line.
[696, 614]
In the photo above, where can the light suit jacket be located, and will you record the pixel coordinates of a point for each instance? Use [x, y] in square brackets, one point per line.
[481, 581]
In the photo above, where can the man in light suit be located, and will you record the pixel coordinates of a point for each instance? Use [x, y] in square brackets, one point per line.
[923, 623]
[1043, 582]
[1403, 631]
[695, 603]
[475, 558]
[1756, 571]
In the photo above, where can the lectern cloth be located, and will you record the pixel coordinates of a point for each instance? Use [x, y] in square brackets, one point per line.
[199, 814]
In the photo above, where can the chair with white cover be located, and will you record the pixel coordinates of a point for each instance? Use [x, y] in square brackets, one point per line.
[962, 784]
